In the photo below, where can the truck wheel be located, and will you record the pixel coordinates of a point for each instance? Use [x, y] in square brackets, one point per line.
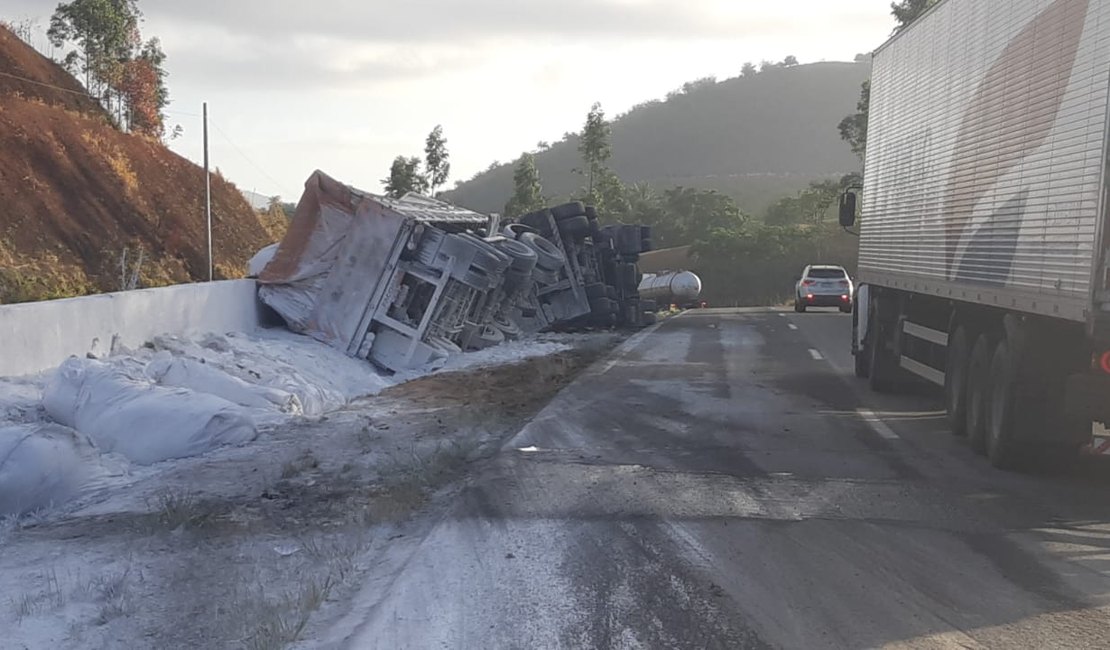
[1002, 445]
[568, 210]
[955, 381]
[575, 227]
[863, 370]
[884, 372]
[549, 257]
[862, 362]
[978, 393]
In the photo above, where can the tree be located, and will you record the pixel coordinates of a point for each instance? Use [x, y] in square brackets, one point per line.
[609, 196]
[436, 159]
[853, 129]
[105, 32]
[126, 74]
[594, 145]
[405, 177]
[907, 11]
[790, 61]
[748, 70]
[527, 192]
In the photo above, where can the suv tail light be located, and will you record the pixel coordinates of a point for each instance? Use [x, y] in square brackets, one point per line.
[807, 282]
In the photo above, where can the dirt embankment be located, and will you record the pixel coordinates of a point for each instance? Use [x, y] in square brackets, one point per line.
[76, 193]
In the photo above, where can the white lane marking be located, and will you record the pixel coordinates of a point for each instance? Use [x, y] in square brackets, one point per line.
[815, 354]
[792, 326]
[877, 424]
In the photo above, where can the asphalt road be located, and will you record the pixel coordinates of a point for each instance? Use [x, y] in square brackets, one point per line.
[723, 482]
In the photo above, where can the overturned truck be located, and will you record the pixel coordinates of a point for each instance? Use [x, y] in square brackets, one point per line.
[410, 281]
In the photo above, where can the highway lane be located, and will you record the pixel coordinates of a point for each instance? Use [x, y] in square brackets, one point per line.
[723, 482]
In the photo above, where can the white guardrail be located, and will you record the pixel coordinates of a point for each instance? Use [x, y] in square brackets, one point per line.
[41, 335]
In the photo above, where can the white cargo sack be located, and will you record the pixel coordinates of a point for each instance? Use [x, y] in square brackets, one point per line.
[143, 422]
[43, 465]
[260, 260]
[180, 372]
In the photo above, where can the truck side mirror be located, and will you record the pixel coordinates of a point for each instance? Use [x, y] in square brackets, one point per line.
[848, 209]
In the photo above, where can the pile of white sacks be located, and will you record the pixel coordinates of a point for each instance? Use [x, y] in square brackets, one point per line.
[177, 400]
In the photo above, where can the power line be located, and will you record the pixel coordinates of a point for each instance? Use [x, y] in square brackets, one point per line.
[168, 112]
[245, 157]
[46, 85]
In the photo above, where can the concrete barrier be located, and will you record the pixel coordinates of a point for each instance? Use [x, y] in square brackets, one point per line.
[41, 335]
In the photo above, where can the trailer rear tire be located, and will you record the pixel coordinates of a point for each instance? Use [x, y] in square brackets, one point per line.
[575, 227]
[568, 210]
[1003, 444]
[884, 374]
[955, 381]
[978, 393]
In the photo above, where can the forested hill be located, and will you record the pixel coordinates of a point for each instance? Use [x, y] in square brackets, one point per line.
[756, 137]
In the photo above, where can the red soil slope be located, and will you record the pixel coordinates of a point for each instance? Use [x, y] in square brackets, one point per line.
[75, 193]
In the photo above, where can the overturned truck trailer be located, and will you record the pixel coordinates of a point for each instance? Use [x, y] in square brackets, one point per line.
[401, 282]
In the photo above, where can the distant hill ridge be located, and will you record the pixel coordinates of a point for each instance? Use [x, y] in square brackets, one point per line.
[757, 138]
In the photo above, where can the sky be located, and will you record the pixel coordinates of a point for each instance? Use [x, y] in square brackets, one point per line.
[347, 85]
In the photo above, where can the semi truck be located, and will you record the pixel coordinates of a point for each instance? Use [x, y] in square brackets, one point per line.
[984, 257]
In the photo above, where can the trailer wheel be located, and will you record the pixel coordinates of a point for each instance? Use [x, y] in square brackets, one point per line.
[575, 227]
[955, 381]
[978, 393]
[549, 257]
[862, 362]
[1003, 446]
[884, 371]
[568, 210]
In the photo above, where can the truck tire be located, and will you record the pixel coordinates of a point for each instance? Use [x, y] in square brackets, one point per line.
[884, 374]
[978, 392]
[1003, 445]
[515, 230]
[628, 275]
[596, 290]
[548, 255]
[863, 367]
[538, 220]
[603, 307]
[575, 227]
[863, 370]
[523, 256]
[568, 210]
[955, 381]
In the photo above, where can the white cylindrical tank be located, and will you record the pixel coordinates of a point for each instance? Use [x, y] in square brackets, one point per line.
[671, 287]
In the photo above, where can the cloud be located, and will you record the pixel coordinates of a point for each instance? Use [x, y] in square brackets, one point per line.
[303, 63]
[439, 21]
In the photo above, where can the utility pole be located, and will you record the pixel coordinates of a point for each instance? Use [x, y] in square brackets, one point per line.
[207, 192]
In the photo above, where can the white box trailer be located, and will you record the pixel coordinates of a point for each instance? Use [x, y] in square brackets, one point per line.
[983, 238]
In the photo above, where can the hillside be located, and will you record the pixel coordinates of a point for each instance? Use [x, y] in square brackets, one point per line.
[755, 138]
[75, 193]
